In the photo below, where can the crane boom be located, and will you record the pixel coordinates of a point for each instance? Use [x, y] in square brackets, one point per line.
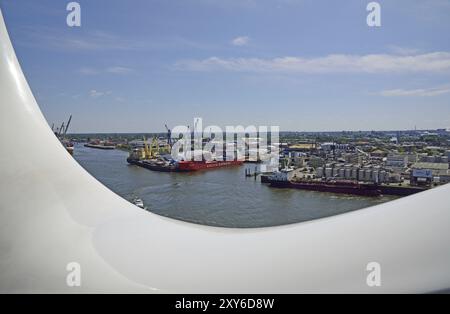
[169, 136]
[61, 129]
[67, 126]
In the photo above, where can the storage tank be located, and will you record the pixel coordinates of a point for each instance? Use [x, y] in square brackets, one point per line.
[348, 173]
[367, 175]
[376, 176]
[320, 172]
[355, 173]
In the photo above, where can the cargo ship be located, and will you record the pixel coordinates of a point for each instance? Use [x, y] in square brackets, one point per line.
[285, 179]
[398, 190]
[100, 145]
[181, 166]
[155, 165]
[344, 187]
[184, 166]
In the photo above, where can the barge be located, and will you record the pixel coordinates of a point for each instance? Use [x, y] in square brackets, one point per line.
[154, 165]
[334, 186]
[184, 166]
[99, 146]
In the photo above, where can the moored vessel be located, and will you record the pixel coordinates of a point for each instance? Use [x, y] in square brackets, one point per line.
[100, 144]
[286, 179]
[184, 166]
[333, 186]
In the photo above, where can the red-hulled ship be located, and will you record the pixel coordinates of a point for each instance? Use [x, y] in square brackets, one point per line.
[204, 165]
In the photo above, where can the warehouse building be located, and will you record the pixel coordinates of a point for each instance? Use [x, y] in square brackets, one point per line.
[427, 173]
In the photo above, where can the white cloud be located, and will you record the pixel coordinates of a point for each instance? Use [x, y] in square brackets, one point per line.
[240, 41]
[95, 41]
[96, 94]
[421, 92]
[111, 70]
[88, 71]
[335, 63]
[119, 70]
[403, 50]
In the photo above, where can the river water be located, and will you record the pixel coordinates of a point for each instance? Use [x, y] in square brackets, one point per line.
[221, 197]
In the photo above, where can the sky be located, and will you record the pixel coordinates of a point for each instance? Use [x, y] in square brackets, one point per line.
[303, 65]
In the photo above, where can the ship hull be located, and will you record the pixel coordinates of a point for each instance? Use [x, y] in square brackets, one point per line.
[187, 166]
[152, 166]
[184, 166]
[99, 146]
[331, 188]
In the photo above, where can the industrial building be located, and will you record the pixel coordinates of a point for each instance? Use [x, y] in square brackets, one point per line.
[334, 146]
[434, 159]
[398, 161]
[427, 173]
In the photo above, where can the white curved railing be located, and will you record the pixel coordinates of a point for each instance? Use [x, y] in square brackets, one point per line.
[53, 212]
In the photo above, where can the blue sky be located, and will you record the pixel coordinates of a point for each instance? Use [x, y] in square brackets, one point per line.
[304, 65]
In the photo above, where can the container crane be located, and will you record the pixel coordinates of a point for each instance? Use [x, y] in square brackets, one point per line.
[169, 136]
[61, 129]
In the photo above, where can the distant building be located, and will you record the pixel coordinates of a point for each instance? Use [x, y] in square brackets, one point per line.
[316, 162]
[430, 165]
[136, 143]
[434, 159]
[421, 177]
[444, 178]
[334, 146]
[398, 161]
[351, 158]
[394, 140]
[378, 153]
[301, 147]
[426, 173]
[412, 157]
[296, 158]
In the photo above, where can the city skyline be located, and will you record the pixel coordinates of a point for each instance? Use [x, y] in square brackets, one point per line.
[302, 65]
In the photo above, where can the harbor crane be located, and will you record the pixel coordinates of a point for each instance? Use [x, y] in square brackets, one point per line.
[169, 136]
[60, 130]
[67, 126]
